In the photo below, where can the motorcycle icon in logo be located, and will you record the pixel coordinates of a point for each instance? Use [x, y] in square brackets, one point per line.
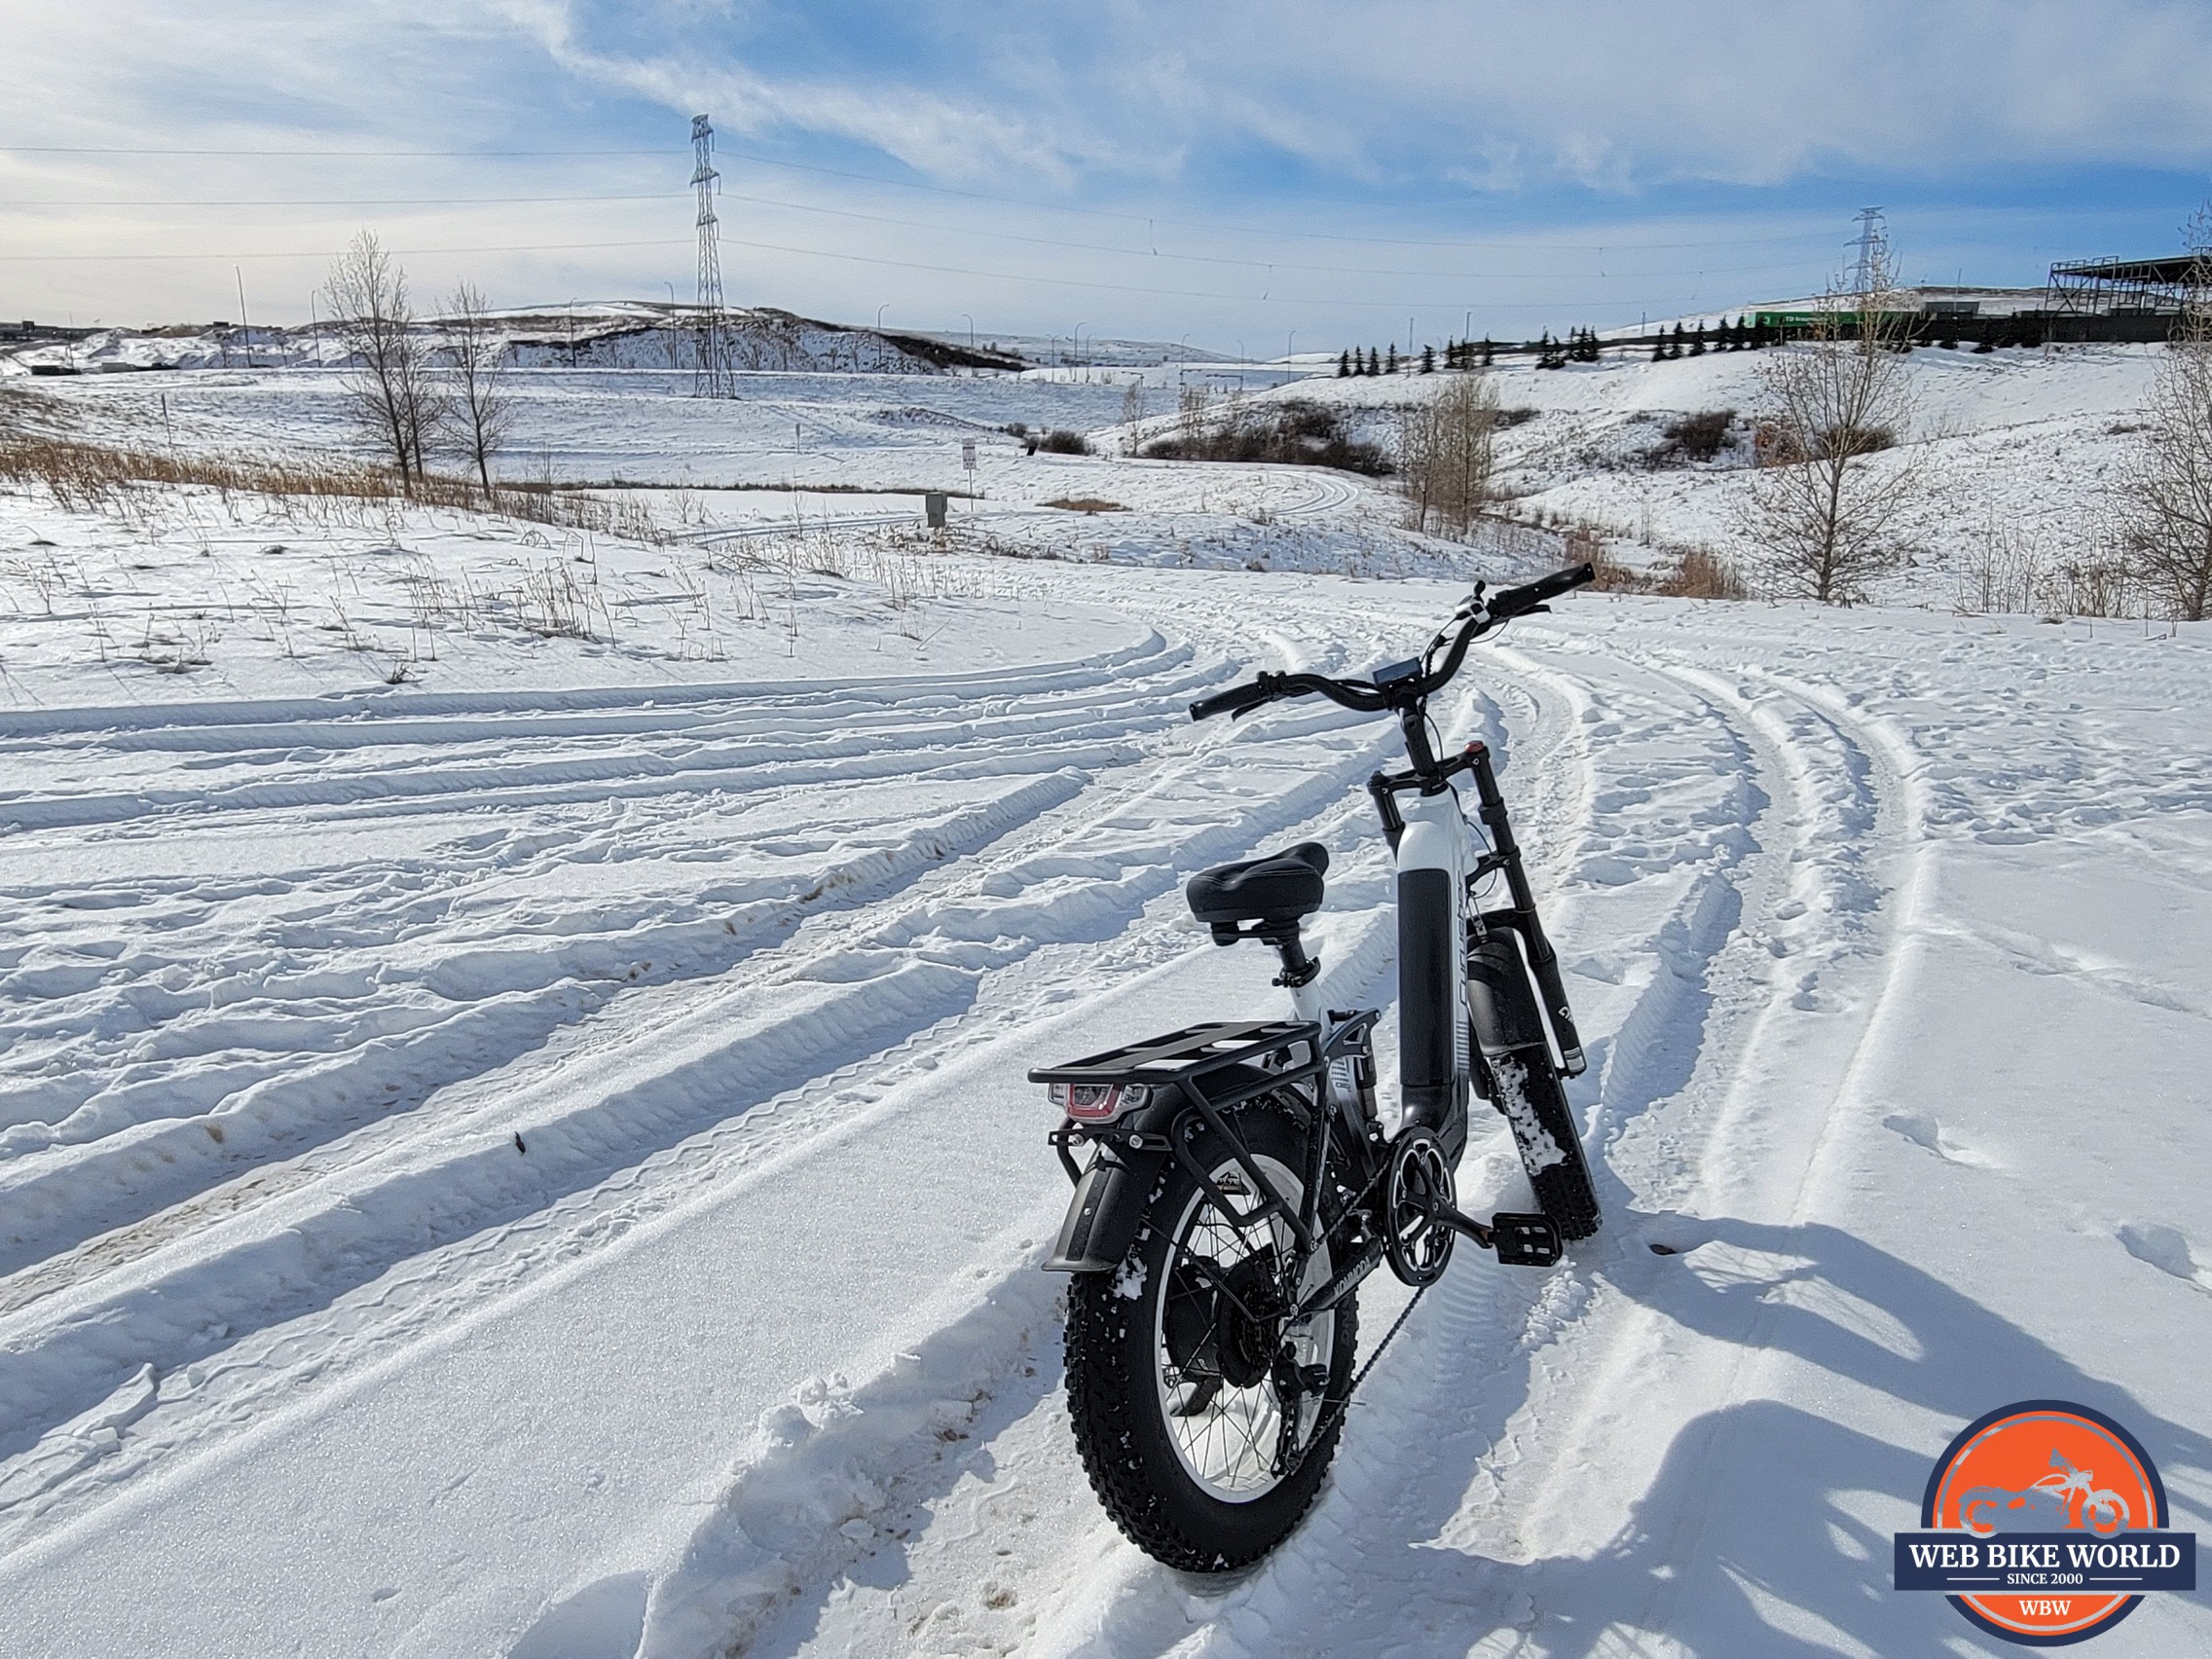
[2045, 1524]
[2045, 1506]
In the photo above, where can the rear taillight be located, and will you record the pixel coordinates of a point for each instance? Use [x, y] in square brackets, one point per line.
[1097, 1102]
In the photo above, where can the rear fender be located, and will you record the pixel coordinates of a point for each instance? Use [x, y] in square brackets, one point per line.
[1108, 1205]
[1112, 1196]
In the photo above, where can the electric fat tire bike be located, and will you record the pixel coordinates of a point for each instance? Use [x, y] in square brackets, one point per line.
[1241, 1183]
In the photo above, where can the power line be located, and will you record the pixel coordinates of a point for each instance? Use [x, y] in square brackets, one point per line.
[926, 225]
[1222, 259]
[165, 150]
[343, 200]
[1122, 216]
[1554, 304]
[332, 253]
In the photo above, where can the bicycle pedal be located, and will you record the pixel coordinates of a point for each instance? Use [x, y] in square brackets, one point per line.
[1524, 1240]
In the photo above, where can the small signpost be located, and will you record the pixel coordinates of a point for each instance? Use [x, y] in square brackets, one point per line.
[967, 459]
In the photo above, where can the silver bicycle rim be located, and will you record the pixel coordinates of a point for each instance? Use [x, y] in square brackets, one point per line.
[1229, 1448]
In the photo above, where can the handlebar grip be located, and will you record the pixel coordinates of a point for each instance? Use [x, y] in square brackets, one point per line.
[1236, 700]
[1512, 601]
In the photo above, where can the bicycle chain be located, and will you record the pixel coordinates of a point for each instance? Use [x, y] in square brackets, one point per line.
[1344, 1405]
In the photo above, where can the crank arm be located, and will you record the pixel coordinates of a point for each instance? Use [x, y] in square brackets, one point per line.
[1520, 1240]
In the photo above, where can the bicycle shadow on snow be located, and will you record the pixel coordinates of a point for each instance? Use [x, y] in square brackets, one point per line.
[1753, 1537]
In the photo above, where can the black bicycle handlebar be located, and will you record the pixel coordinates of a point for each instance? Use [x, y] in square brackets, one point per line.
[1236, 700]
[1501, 607]
[1510, 603]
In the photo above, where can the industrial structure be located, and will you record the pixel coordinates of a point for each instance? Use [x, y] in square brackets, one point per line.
[2124, 299]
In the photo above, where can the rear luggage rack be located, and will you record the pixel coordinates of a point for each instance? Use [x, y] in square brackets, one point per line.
[1193, 1051]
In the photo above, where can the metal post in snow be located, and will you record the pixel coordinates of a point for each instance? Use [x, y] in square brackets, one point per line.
[243, 324]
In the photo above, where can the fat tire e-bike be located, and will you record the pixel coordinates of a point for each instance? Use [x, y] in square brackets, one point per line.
[1241, 1183]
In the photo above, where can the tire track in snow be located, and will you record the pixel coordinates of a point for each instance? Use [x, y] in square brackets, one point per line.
[1737, 1121]
[354, 1248]
[1344, 1581]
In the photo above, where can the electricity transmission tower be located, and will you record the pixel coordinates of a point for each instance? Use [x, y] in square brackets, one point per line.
[710, 372]
[1872, 235]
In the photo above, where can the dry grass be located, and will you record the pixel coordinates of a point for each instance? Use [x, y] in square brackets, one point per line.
[1086, 504]
[92, 477]
[2016, 571]
[1695, 573]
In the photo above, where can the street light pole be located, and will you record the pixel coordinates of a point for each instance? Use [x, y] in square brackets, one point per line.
[1078, 328]
[1289, 348]
[879, 311]
[971, 331]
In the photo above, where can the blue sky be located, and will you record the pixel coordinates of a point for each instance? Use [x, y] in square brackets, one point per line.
[1233, 171]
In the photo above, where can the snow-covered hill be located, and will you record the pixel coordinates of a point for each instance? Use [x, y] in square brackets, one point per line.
[599, 335]
[2017, 449]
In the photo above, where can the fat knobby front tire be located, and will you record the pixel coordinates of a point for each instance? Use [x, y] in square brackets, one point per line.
[1525, 1088]
[1178, 1364]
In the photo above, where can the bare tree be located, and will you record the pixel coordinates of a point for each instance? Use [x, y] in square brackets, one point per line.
[1132, 414]
[481, 411]
[2166, 488]
[396, 401]
[1447, 453]
[1824, 515]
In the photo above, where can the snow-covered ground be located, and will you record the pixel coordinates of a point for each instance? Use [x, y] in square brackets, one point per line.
[2016, 450]
[513, 1136]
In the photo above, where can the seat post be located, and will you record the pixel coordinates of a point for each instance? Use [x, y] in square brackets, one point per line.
[1298, 968]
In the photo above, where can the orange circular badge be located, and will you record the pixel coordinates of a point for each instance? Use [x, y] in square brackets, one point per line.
[2053, 1507]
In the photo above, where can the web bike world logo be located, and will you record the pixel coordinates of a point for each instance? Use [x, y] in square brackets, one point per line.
[2045, 1524]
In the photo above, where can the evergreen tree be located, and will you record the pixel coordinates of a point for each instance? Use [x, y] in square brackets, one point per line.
[1428, 360]
[1488, 351]
[1674, 344]
[1390, 363]
[1343, 364]
[1374, 361]
[1659, 351]
[1697, 342]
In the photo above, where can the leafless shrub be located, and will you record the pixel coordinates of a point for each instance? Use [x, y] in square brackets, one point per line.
[1697, 437]
[481, 412]
[1294, 433]
[1061, 441]
[1825, 522]
[1446, 454]
[2165, 490]
[1695, 572]
[2013, 571]
[395, 398]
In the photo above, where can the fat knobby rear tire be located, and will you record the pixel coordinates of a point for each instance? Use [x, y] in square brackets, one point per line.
[1124, 1426]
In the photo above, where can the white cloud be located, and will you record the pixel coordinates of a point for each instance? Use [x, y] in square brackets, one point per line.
[1420, 120]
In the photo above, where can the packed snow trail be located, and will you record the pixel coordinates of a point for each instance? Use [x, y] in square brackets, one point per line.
[682, 1294]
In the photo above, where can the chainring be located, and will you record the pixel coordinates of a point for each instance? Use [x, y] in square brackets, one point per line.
[1418, 1192]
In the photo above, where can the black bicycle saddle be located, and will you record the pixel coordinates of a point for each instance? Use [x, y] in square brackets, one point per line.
[1277, 887]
